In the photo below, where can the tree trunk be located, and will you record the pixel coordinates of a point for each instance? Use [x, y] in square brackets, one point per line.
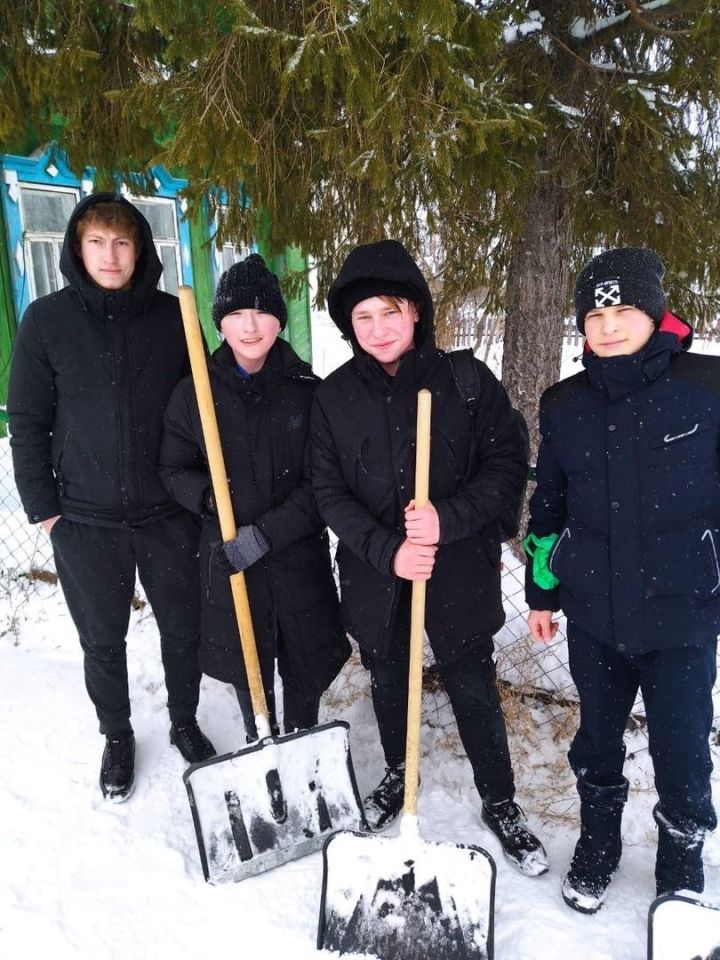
[537, 294]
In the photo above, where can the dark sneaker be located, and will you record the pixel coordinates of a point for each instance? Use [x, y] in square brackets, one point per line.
[521, 847]
[191, 741]
[117, 770]
[385, 803]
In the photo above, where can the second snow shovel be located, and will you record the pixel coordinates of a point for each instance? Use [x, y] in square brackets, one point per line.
[281, 797]
[403, 898]
[683, 927]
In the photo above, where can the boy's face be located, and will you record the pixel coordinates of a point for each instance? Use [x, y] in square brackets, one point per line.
[250, 335]
[384, 330]
[108, 257]
[617, 331]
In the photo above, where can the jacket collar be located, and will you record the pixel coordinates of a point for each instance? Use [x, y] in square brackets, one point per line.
[617, 376]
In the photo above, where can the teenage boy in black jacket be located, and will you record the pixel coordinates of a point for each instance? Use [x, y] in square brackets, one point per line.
[262, 392]
[625, 538]
[93, 367]
[363, 474]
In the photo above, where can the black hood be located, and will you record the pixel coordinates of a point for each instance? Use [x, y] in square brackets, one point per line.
[387, 260]
[148, 267]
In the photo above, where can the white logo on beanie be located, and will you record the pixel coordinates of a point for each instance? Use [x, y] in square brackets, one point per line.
[607, 294]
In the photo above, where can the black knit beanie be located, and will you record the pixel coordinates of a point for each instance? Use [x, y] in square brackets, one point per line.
[627, 275]
[249, 285]
[366, 287]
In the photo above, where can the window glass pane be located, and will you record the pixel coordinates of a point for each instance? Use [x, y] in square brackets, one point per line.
[43, 267]
[170, 270]
[45, 211]
[160, 216]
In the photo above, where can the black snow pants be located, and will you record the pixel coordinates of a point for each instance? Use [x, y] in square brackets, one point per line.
[677, 689]
[299, 710]
[96, 568]
[471, 687]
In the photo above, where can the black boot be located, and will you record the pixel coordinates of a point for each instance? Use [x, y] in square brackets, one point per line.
[597, 852]
[117, 770]
[521, 847]
[191, 741]
[679, 864]
[383, 805]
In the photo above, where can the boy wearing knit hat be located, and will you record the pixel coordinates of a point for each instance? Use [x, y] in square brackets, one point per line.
[624, 537]
[363, 432]
[262, 393]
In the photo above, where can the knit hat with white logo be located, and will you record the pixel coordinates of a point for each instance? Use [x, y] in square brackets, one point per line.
[631, 276]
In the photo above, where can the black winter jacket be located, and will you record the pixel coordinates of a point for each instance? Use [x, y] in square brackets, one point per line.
[91, 374]
[363, 462]
[263, 423]
[628, 475]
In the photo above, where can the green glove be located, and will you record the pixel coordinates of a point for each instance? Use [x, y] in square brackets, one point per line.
[539, 549]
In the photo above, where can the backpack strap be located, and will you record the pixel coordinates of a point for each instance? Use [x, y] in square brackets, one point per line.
[465, 375]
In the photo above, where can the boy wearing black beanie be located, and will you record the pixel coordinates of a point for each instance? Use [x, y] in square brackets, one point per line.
[363, 432]
[624, 537]
[262, 393]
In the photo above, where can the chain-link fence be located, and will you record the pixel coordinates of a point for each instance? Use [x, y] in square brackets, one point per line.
[534, 673]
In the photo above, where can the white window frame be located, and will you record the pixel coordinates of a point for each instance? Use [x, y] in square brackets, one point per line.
[42, 236]
[166, 242]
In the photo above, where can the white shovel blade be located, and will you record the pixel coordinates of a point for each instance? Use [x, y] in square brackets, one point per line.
[273, 801]
[402, 898]
[683, 928]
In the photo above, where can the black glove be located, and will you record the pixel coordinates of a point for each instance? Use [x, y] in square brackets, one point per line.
[247, 547]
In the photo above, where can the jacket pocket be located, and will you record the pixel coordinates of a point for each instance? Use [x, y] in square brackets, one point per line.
[682, 441]
[562, 540]
[683, 562]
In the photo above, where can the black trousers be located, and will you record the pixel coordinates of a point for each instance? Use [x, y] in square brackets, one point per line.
[96, 567]
[299, 710]
[677, 689]
[471, 687]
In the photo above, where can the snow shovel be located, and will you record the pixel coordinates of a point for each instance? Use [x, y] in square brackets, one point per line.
[281, 797]
[403, 898]
[683, 928]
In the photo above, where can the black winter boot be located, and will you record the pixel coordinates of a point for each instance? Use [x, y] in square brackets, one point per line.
[191, 741]
[521, 847]
[383, 805]
[597, 853]
[117, 770]
[679, 864]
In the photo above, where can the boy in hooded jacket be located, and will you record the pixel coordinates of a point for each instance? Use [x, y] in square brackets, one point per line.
[624, 537]
[363, 437]
[92, 370]
[262, 393]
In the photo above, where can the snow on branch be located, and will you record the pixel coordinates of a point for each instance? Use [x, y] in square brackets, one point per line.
[581, 28]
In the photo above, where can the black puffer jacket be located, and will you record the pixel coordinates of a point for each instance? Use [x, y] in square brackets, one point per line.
[91, 374]
[628, 476]
[263, 423]
[363, 455]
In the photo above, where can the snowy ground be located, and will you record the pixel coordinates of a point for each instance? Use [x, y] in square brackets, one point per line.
[81, 879]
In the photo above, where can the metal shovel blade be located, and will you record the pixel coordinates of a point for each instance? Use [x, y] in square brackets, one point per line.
[683, 928]
[272, 802]
[401, 898]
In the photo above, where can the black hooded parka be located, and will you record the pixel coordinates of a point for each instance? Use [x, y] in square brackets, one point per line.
[91, 374]
[363, 456]
[263, 422]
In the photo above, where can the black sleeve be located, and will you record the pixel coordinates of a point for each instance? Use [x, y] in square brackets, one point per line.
[353, 523]
[500, 468]
[31, 411]
[547, 514]
[182, 463]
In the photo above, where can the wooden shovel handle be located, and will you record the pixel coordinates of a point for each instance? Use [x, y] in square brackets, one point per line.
[221, 493]
[417, 615]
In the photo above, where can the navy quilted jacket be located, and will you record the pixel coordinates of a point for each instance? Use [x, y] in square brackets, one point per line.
[628, 476]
